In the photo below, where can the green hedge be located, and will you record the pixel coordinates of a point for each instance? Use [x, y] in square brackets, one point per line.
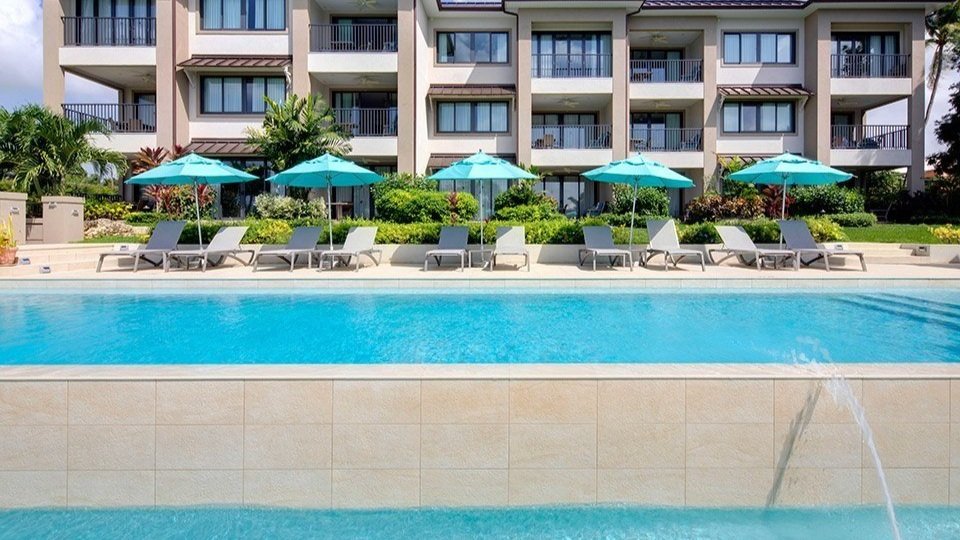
[856, 219]
[147, 218]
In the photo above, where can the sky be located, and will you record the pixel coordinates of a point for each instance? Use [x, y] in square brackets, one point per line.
[21, 45]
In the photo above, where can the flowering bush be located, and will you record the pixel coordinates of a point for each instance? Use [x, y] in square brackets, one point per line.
[99, 228]
[107, 210]
[269, 206]
[824, 229]
[714, 207]
[947, 234]
[179, 201]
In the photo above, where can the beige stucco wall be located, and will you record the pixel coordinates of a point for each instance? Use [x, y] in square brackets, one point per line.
[488, 442]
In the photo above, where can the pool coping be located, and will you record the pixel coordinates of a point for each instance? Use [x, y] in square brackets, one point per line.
[153, 372]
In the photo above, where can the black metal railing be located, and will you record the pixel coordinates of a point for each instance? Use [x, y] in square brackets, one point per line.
[571, 66]
[110, 31]
[353, 38]
[869, 66]
[666, 71]
[368, 122]
[115, 117]
[571, 137]
[652, 139]
[848, 137]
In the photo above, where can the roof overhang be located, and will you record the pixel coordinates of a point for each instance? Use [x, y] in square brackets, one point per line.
[438, 161]
[485, 91]
[217, 61]
[222, 147]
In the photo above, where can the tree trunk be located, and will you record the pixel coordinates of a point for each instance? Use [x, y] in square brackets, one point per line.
[938, 53]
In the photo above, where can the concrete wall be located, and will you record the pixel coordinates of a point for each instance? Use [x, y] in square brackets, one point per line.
[428, 442]
[13, 207]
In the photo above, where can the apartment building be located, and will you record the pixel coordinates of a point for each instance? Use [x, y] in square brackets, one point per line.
[559, 85]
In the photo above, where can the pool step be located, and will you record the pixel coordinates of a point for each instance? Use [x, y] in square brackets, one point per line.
[878, 304]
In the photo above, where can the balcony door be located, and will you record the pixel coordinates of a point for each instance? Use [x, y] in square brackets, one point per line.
[571, 54]
[364, 34]
[655, 65]
[871, 54]
[146, 110]
[650, 131]
[114, 22]
[367, 113]
[564, 130]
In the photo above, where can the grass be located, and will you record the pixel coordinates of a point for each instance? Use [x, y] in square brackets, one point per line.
[892, 233]
[135, 239]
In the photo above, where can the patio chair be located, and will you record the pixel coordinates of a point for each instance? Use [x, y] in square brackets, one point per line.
[359, 241]
[511, 241]
[737, 244]
[664, 241]
[163, 239]
[302, 242]
[598, 242]
[453, 243]
[798, 238]
[226, 243]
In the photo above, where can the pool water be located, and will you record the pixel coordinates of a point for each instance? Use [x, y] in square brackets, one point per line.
[234, 327]
[868, 523]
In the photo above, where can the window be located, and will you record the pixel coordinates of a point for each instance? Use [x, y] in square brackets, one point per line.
[472, 117]
[759, 48]
[472, 48]
[243, 14]
[759, 117]
[240, 95]
[571, 55]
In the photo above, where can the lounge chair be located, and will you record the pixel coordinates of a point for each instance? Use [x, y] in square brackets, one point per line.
[359, 241]
[598, 242]
[664, 241]
[511, 241]
[163, 240]
[226, 243]
[797, 236]
[737, 244]
[302, 242]
[453, 243]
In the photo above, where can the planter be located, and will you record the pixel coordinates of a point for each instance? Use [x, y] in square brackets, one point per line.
[8, 256]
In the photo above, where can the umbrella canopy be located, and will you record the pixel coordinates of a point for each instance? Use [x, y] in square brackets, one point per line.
[481, 166]
[192, 169]
[638, 171]
[790, 170]
[326, 171]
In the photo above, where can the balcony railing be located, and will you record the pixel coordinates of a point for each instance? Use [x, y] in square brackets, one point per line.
[110, 31]
[353, 38]
[651, 139]
[666, 71]
[571, 66]
[115, 117]
[869, 66]
[368, 122]
[571, 137]
[859, 137]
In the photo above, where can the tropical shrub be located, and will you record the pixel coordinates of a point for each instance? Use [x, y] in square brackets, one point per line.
[774, 204]
[406, 181]
[828, 199]
[7, 239]
[270, 206]
[713, 207]
[523, 194]
[423, 206]
[179, 201]
[858, 219]
[268, 231]
[947, 234]
[298, 129]
[650, 201]
[106, 210]
[528, 212]
[623, 220]
[824, 230]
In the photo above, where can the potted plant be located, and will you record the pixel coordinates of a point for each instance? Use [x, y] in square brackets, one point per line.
[8, 244]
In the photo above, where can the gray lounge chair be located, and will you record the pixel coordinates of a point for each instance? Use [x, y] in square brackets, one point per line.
[598, 242]
[736, 243]
[511, 241]
[665, 241]
[798, 238]
[226, 243]
[302, 242]
[359, 241]
[453, 243]
[163, 239]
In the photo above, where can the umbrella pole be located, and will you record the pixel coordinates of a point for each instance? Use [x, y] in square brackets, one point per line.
[783, 207]
[330, 210]
[633, 213]
[196, 201]
[481, 221]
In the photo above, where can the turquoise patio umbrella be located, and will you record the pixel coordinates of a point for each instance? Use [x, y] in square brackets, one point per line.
[637, 171]
[192, 169]
[790, 170]
[482, 167]
[326, 171]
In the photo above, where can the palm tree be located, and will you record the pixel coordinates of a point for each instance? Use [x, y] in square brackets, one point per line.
[148, 158]
[40, 150]
[298, 129]
[943, 27]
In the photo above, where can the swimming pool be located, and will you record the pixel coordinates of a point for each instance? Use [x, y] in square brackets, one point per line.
[230, 327]
[918, 523]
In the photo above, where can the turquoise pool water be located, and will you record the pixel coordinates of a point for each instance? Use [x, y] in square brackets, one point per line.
[471, 327]
[536, 523]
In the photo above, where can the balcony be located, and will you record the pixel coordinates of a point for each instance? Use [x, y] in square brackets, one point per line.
[131, 126]
[571, 74]
[674, 147]
[571, 146]
[353, 48]
[109, 31]
[871, 75]
[864, 146]
[373, 131]
[657, 80]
